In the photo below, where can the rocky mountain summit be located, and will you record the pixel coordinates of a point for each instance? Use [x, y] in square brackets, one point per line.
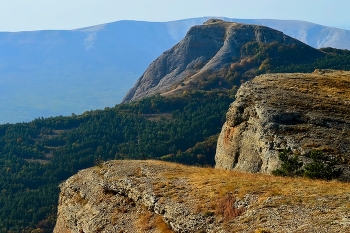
[273, 112]
[206, 49]
[153, 196]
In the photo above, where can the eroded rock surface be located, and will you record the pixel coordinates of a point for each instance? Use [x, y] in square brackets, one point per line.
[117, 196]
[278, 111]
[153, 196]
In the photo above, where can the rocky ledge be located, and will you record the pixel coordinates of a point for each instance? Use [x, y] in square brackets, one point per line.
[299, 111]
[153, 196]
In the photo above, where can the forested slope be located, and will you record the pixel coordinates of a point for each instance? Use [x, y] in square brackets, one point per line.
[36, 156]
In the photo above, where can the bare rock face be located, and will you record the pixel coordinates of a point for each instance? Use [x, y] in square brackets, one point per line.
[278, 111]
[205, 49]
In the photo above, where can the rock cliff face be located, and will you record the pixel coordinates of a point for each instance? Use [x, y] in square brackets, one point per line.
[151, 196]
[205, 49]
[278, 111]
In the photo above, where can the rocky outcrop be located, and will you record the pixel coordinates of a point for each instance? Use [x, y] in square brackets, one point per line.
[153, 196]
[204, 50]
[117, 196]
[278, 111]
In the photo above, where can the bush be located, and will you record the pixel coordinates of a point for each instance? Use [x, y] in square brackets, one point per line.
[318, 168]
[291, 166]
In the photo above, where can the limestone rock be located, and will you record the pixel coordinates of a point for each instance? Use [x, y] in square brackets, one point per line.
[205, 49]
[153, 196]
[116, 197]
[278, 111]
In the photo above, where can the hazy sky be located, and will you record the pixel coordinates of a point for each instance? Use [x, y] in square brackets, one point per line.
[19, 15]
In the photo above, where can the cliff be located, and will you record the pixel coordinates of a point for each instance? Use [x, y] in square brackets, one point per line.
[273, 112]
[153, 196]
[207, 49]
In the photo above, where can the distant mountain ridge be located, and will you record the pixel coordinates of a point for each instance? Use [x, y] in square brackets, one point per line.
[48, 73]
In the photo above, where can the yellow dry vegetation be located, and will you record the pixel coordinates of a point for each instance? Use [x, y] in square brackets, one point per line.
[150, 222]
[209, 184]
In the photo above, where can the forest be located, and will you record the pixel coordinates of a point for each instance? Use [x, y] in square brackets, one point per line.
[35, 157]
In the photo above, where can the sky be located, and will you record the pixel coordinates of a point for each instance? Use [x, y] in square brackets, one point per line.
[28, 15]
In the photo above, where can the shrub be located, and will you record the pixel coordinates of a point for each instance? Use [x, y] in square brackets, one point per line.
[291, 166]
[318, 168]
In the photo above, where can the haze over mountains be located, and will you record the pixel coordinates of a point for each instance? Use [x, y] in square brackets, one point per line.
[48, 73]
[182, 128]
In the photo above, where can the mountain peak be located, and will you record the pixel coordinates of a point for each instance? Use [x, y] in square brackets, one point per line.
[207, 49]
[212, 21]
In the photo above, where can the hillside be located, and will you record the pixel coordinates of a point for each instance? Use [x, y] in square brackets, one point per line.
[220, 54]
[153, 196]
[51, 73]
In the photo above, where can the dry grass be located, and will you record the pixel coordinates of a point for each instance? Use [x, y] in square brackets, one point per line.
[327, 92]
[215, 196]
[152, 223]
[79, 199]
[209, 184]
[115, 217]
[144, 223]
[226, 207]
[161, 226]
[332, 85]
[261, 230]
[238, 201]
